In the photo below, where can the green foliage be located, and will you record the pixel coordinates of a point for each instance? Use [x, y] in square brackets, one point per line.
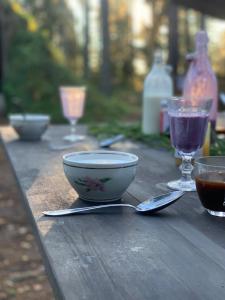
[56, 19]
[218, 148]
[131, 131]
[33, 76]
[102, 108]
[158, 141]
[35, 70]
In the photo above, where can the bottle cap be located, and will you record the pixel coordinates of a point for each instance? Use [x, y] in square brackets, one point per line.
[158, 56]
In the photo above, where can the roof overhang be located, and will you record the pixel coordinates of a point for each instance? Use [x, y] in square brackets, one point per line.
[214, 8]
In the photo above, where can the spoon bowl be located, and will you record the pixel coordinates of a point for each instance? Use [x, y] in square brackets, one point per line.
[149, 206]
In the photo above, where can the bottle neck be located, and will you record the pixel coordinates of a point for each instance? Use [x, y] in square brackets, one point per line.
[158, 66]
[202, 58]
[202, 49]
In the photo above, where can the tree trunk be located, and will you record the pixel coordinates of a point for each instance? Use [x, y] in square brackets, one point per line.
[105, 63]
[1, 49]
[86, 40]
[202, 22]
[8, 26]
[156, 22]
[173, 39]
[188, 44]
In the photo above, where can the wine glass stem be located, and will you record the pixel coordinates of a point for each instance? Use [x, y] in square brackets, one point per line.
[186, 168]
[73, 126]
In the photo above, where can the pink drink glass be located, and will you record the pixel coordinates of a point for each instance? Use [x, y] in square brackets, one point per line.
[188, 125]
[73, 99]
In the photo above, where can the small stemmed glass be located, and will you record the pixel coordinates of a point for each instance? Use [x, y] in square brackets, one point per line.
[73, 100]
[188, 125]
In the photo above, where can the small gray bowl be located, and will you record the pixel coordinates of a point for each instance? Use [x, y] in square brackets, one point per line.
[30, 127]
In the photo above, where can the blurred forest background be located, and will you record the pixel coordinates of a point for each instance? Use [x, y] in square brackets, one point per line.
[104, 44]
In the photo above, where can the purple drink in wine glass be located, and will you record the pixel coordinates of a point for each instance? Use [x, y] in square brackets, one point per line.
[188, 125]
[188, 131]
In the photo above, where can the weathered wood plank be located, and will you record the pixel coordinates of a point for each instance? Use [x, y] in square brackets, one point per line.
[118, 254]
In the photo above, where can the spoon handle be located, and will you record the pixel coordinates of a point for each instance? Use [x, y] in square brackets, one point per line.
[70, 211]
[61, 147]
[110, 141]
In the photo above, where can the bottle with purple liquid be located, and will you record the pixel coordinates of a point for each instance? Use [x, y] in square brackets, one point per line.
[200, 82]
[188, 125]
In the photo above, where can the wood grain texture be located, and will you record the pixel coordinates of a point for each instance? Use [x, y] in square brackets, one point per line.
[116, 254]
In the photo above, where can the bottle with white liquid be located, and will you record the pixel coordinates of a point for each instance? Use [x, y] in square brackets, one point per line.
[157, 86]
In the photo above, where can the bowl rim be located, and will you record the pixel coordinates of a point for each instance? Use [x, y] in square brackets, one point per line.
[29, 117]
[199, 160]
[113, 165]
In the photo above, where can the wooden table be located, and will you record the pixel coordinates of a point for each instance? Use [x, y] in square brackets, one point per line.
[118, 254]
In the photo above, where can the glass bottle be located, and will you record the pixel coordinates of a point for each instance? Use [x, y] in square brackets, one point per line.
[200, 81]
[157, 86]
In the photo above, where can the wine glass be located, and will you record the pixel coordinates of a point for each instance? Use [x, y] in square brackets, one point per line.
[73, 99]
[188, 125]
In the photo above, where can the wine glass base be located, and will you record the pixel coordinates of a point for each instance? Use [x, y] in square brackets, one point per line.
[185, 186]
[73, 138]
[216, 213]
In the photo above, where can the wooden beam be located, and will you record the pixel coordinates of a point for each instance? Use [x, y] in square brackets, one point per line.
[86, 40]
[213, 8]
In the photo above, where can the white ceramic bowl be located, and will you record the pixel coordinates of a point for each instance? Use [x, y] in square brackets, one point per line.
[100, 176]
[30, 127]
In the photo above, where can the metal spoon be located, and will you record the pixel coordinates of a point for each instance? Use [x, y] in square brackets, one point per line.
[150, 205]
[106, 143]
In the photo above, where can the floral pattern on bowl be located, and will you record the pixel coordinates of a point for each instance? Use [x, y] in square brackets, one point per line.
[93, 184]
[100, 176]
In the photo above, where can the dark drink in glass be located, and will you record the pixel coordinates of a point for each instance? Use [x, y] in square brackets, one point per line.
[188, 131]
[211, 190]
[210, 183]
